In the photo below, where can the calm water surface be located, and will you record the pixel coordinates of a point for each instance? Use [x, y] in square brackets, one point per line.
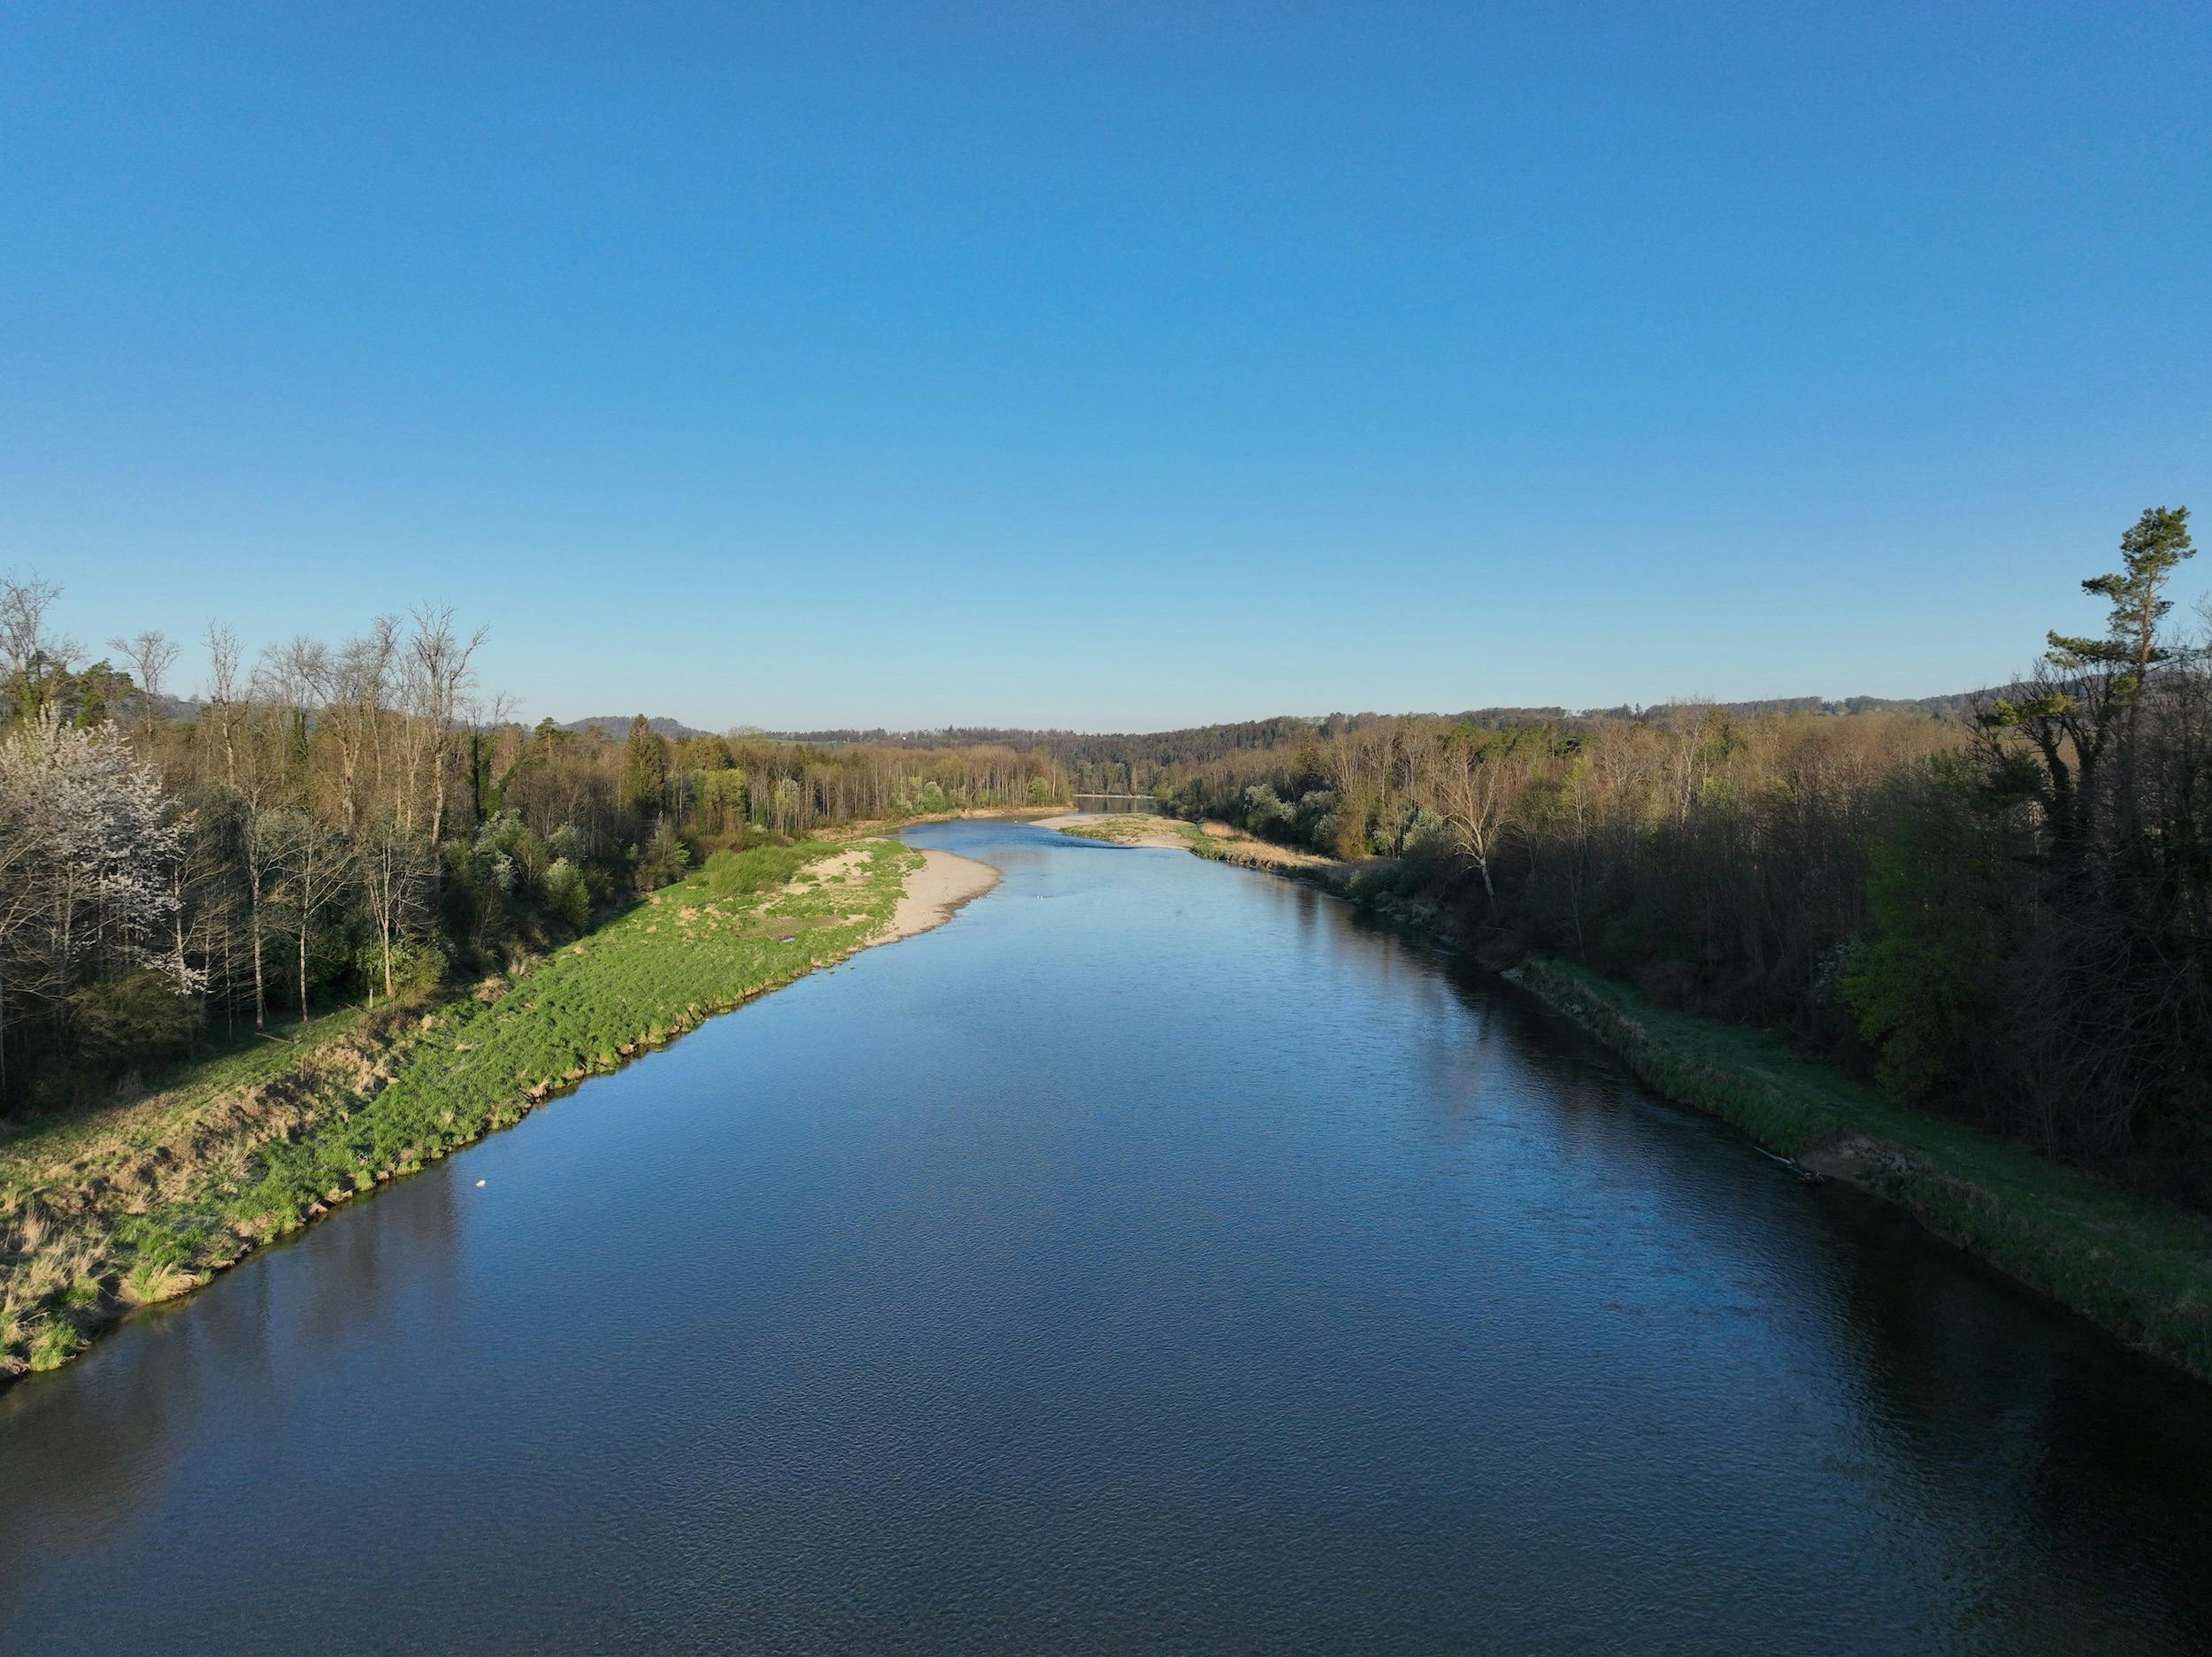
[1156, 1258]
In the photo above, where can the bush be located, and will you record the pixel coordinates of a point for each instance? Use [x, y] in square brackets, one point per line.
[506, 840]
[416, 968]
[566, 895]
[664, 859]
[731, 873]
[138, 1016]
[1265, 814]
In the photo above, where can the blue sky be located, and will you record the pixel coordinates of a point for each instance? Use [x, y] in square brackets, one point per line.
[1109, 366]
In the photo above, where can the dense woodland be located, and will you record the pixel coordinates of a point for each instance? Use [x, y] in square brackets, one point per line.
[349, 821]
[1999, 905]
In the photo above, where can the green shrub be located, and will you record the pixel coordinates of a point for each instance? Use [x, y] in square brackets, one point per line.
[732, 873]
[566, 895]
[138, 1016]
[662, 861]
[416, 968]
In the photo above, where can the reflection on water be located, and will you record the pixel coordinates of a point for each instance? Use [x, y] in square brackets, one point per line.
[1158, 1258]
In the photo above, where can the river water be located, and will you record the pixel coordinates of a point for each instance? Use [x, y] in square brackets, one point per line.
[1158, 1258]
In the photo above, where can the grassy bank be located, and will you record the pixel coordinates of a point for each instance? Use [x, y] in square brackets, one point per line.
[2139, 1268]
[146, 1198]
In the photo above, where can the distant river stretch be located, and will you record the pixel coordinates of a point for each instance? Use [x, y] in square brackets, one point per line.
[1158, 1258]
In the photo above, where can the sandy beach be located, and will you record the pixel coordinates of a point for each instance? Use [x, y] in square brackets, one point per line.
[939, 887]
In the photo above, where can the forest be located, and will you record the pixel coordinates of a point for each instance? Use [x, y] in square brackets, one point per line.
[1999, 906]
[356, 821]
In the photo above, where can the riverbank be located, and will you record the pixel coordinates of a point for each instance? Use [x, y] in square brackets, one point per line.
[935, 891]
[2139, 1268]
[147, 1198]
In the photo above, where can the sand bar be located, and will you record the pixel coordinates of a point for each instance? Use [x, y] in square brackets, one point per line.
[933, 892]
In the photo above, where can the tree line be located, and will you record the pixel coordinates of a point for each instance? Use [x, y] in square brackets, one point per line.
[354, 821]
[1999, 905]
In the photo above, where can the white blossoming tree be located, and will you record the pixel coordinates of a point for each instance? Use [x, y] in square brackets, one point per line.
[88, 854]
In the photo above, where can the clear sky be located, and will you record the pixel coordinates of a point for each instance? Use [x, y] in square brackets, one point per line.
[1109, 366]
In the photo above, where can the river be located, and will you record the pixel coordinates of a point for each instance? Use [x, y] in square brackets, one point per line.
[1158, 1258]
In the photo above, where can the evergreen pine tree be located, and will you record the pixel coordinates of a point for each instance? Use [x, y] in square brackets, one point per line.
[644, 770]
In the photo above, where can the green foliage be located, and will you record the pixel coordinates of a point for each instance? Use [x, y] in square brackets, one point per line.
[1264, 813]
[54, 1342]
[644, 770]
[1426, 834]
[567, 895]
[2153, 547]
[505, 836]
[663, 860]
[723, 793]
[731, 873]
[1922, 984]
[915, 797]
[137, 1015]
[417, 968]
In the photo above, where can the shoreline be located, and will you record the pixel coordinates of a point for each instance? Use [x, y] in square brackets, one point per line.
[303, 1119]
[2046, 1228]
[932, 895]
[2136, 1268]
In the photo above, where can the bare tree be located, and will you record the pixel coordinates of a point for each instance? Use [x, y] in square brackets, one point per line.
[394, 877]
[32, 660]
[150, 655]
[223, 692]
[1478, 775]
[314, 868]
[359, 680]
[441, 662]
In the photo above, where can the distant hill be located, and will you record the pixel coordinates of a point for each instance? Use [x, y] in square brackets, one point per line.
[1208, 741]
[1212, 740]
[617, 725]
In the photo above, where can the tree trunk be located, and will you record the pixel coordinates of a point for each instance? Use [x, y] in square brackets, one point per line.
[260, 992]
